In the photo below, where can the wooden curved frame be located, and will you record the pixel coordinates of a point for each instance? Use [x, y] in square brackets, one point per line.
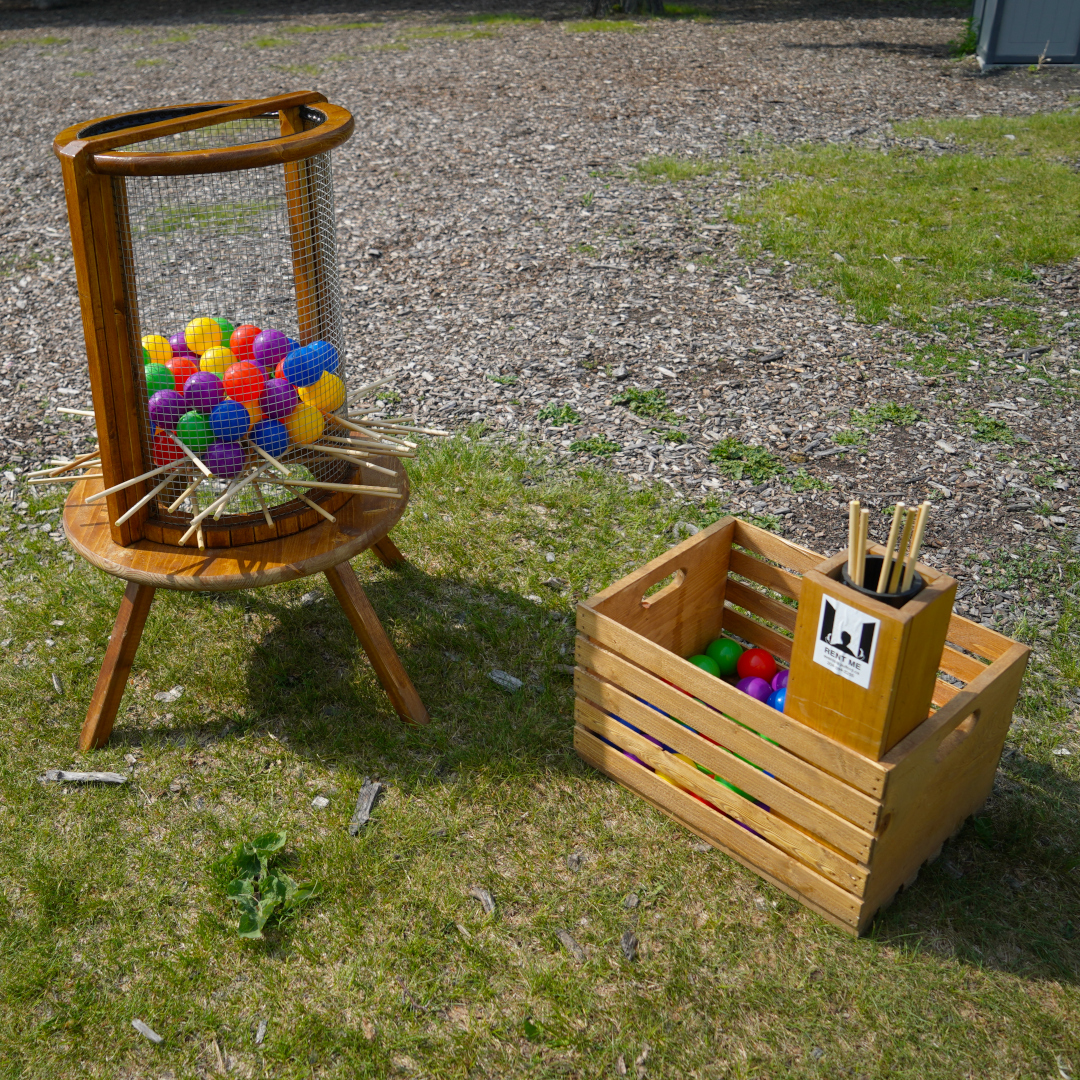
[95, 147]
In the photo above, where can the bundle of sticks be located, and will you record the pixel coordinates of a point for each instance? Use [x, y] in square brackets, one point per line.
[905, 536]
[368, 436]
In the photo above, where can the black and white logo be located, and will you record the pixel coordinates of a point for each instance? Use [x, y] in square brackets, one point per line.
[846, 641]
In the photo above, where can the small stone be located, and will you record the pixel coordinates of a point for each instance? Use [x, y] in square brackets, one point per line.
[320, 802]
[147, 1031]
[629, 945]
[169, 696]
[631, 901]
[550, 556]
[574, 861]
[505, 681]
[941, 444]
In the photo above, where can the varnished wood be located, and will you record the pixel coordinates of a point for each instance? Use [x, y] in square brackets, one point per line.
[115, 668]
[361, 521]
[387, 552]
[369, 630]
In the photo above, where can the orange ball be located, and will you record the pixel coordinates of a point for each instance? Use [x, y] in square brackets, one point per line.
[182, 367]
[240, 342]
[244, 381]
[165, 449]
[254, 412]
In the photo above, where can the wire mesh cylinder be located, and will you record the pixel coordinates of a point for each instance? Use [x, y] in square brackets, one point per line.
[214, 245]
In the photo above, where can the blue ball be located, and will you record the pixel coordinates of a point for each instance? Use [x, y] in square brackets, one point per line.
[271, 436]
[777, 699]
[302, 367]
[230, 421]
[293, 344]
[328, 355]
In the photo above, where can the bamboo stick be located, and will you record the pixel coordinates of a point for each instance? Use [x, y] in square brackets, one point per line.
[262, 502]
[894, 532]
[191, 489]
[315, 506]
[143, 501]
[135, 480]
[916, 546]
[901, 547]
[356, 489]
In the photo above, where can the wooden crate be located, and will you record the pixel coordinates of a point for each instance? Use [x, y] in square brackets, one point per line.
[834, 828]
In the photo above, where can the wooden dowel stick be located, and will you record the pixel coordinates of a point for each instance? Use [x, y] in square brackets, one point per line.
[371, 448]
[383, 425]
[315, 506]
[262, 502]
[69, 479]
[347, 455]
[894, 532]
[901, 547]
[58, 467]
[135, 480]
[73, 412]
[143, 501]
[864, 529]
[198, 464]
[372, 385]
[266, 457]
[853, 539]
[223, 499]
[200, 537]
[356, 489]
[916, 546]
[191, 489]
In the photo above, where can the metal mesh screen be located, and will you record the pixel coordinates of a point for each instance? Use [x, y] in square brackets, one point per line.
[253, 247]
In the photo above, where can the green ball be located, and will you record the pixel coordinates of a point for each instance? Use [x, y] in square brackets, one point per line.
[725, 653]
[145, 355]
[706, 663]
[226, 330]
[195, 432]
[158, 377]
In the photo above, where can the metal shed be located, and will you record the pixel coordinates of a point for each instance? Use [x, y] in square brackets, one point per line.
[1019, 31]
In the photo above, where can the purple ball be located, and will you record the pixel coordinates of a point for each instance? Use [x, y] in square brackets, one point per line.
[755, 687]
[268, 348]
[166, 408]
[204, 392]
[278, 400]
[179, 346]
[779, 680]
[225, 459]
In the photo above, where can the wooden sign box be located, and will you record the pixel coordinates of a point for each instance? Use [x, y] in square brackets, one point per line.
[833, 827]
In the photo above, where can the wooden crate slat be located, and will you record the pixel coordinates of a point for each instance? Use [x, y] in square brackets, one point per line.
[754, 853]
[977, 639]
[772, 577]
[943, 692]
[757, 602]
[960, 666]
[735, 622]
[773, 547]
[859, 809]
[800, 844]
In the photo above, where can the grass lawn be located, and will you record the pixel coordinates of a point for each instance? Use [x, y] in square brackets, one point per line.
[113, 905]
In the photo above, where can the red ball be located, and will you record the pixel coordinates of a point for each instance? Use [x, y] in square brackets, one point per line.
[240, 342]
[165, 449]
[182, 367]
[279, 371]
[756, 663]
[244, 382]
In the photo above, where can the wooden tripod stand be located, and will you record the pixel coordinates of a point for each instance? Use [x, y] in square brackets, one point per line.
[363, 522]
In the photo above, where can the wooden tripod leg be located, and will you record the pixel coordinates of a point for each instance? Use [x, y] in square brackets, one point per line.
[387, 552]
[384, 660]
[115, 668]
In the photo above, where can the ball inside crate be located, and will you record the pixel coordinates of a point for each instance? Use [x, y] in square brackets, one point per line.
[841, 831]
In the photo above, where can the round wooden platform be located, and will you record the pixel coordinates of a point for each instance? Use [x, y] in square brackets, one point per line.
[363, 521]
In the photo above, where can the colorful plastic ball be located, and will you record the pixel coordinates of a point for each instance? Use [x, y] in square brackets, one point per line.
[278, 399]
[756, 662]
[726, 653]
[244, 381]
[269, 347]
[225, 459]
[328, 394]
[305, 424]
[166, 408]
[182, 367]
[158, 377]
[271, 436]
[218, 360]
[203, 392]
[240, 342]
[279, 371]
[327, 354]
[755, 687]
[158, 347]
[303, 367]
[706, 663]
[165, 449]
[230, 421]
[202, 334]
[145, 355]
[178, 344]
[293, 344]
[254, 412]
[777, 698]
[779, 680]
[194, 432]
[226, 330]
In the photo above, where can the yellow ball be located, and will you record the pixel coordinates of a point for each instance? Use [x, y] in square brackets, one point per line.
[305, 424]
[158, 347]
[217, 359]
[202, 334]
[327, 394]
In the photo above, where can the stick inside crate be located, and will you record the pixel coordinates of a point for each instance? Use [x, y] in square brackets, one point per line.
[839, 829]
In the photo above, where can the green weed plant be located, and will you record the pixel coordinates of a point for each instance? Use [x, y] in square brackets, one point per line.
[261, 891]
[742, 462]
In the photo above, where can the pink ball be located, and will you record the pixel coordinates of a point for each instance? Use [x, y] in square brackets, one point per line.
[269, 347]
[755, 687]
[779, 680]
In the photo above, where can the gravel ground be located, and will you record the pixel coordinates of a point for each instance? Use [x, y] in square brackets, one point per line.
[501, 254]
